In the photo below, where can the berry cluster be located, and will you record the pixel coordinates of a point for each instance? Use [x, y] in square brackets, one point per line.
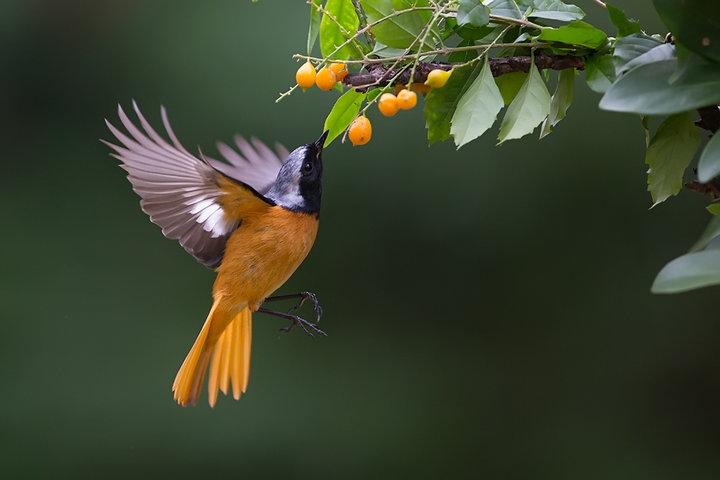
[360, 130]
[325, 79]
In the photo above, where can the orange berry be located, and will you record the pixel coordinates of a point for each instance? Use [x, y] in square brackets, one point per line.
[360, 131]
[420, 88]
[305, 76]
[406, 99]
[414, 87]
[325, 79]
[340, 70]
[388, 104]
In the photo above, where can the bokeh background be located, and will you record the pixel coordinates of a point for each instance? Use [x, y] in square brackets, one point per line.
[488, 310]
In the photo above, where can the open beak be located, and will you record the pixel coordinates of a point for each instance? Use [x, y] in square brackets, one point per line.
[320, 143]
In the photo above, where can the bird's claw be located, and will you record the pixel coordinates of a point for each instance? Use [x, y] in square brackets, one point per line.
[316, 305]
[307, 327]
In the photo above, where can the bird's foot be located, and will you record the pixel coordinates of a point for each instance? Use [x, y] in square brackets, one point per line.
[304, 296]
[307, 327]
[295, 320]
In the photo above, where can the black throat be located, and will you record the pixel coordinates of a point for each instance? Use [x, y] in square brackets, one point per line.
[311, 192]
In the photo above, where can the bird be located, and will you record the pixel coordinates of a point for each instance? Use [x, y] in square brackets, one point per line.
[253, 218]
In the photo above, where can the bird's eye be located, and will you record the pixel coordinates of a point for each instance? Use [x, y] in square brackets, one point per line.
[307, 168]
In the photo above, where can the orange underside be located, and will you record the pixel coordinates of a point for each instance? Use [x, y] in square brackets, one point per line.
[259, 257]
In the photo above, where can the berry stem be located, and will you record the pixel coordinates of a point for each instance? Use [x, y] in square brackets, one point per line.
[352, 38]
[522, 22]
[424, 33]
[287, 93]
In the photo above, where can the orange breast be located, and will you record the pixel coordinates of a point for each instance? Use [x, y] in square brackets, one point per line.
[262, 254]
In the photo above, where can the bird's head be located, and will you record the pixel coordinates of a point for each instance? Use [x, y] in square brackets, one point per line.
[298, 186]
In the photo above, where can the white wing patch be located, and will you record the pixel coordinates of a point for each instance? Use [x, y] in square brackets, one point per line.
[179, 191]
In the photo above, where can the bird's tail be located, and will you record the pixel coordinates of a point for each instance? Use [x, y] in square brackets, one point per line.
[224, 344]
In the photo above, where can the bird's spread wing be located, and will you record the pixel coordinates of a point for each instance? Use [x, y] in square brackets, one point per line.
[184, 194]
[258, 166]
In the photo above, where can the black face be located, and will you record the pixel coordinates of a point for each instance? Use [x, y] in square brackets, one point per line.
[298, 186]
[311, 175]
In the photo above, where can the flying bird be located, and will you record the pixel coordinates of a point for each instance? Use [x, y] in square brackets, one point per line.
[252, 218]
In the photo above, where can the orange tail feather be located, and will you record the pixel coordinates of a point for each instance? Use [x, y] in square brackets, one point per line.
[224, 339]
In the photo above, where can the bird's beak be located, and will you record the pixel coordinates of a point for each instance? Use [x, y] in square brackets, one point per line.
[320, 143]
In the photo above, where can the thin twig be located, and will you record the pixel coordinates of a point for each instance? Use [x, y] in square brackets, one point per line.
[424, 33]
[396, 61]
[363, 22]
[368, 26]
[438, 10]
[366, 29]
[485, 52]
[343, 31]
[515, 21]
[360, 13]
[287, 93]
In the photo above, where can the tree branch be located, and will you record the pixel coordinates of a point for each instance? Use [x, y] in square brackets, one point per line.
[711, 188]
[378, 74]
[709, 118]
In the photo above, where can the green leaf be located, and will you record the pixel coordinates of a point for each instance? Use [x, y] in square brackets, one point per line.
[576, 32]
[383, 51]
[448, 27]
[645, 122]
[599, 72]
[669, 154]
[509, 85]
[694, 24]
[665, 51]
[314, 30]
[632, 46]
[711, 231]
[709, 164]
[523, 37]
[561, 100]
[510, 8]
[555, 10]
[469, 33]
[473, 12]
[530, 107]
[397, 31]
[686, 61]
[713, 208]
[463, 56]
[647, 90]
[477, 109]
[331, 34]
[440, 103]
[373, 94]
[619, 19]
[343, 113]
[688, 272]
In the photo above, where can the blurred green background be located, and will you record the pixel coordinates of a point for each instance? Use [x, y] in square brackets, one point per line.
[488, 310]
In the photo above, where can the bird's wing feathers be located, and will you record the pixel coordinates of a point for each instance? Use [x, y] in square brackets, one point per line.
[187, 196]
[255, 165]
